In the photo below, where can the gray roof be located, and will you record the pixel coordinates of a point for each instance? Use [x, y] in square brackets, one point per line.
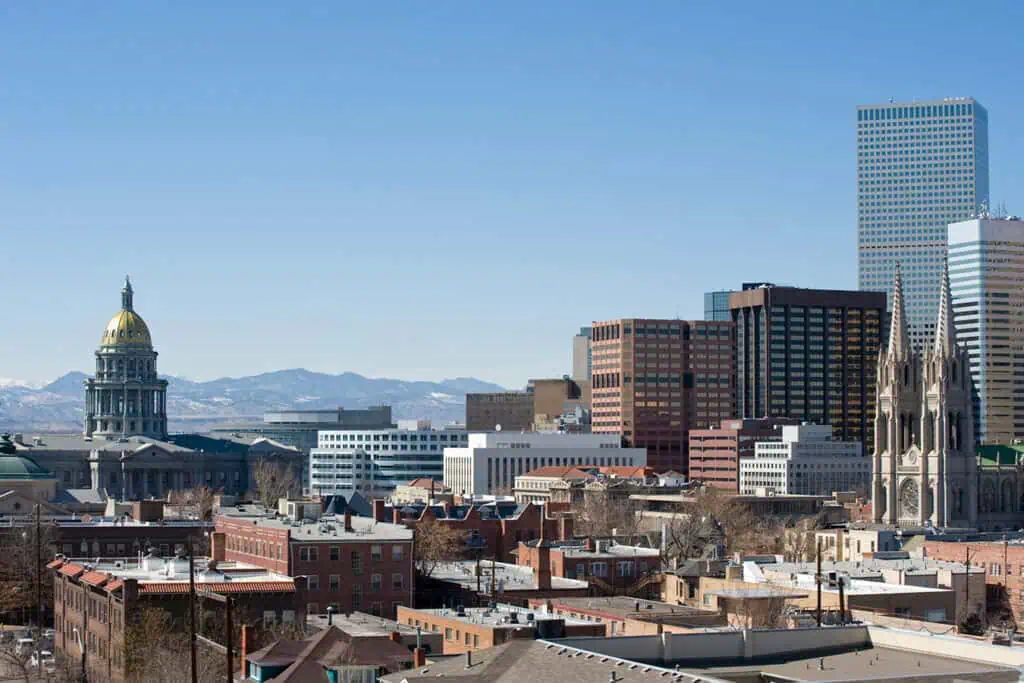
[539, 660]
[79, 496]
[77, 442]
[328, 528]
[508, 577]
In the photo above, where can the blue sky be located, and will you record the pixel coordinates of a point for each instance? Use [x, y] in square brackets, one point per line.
[438, 189]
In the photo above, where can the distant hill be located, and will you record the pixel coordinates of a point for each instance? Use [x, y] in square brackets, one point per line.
[59, 405]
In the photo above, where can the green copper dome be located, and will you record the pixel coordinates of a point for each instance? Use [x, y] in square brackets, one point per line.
[14, 466]
[20, 467]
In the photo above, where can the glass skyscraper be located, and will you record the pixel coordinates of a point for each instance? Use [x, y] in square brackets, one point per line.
[986, 268]
[716, 305]
[920, 167]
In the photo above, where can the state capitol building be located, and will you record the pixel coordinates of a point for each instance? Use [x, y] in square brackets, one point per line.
[124, 450]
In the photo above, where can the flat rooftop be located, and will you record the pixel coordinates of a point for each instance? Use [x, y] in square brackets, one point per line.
[624, 606]
[327, 528]
[507, 577]
[361, 624]
[501, 616]
[858, 665]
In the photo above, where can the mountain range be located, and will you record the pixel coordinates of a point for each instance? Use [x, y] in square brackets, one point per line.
[195, 406]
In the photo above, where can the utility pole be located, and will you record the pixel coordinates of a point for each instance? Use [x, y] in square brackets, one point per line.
[817, 579]
[39, 593]
[967, 586]
[192, 611]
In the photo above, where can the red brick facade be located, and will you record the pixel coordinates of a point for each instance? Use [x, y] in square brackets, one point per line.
[498, 536]
[715, 453]
[351, 571]
[1004, 571]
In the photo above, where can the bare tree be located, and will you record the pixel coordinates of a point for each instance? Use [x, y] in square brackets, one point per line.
[601, 514]
[713, 518]
[436, 542]
[273, 480]
[157, 651]
[196, 502]
[16, 666]
[20, 569]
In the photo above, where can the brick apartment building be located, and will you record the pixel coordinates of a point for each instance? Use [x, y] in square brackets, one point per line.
[611, 567]
[715, 453]
[1003, 563]
[480, 628]
[654, 380]
[95, 604]
[493, 529]
[350, 563]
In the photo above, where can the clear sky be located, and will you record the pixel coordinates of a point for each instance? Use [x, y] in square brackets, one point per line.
[435, 189]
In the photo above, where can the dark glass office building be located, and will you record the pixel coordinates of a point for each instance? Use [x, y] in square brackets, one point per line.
[809, 354]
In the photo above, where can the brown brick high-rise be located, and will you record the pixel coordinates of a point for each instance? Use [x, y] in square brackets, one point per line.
[654, 379]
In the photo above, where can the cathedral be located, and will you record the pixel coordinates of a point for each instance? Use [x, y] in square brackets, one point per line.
[925, 463]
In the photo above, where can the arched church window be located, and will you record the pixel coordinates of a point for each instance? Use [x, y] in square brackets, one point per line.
[910, 502]
[906, 375]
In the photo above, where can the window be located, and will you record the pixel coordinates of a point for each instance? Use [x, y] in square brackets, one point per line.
[314, 582]
[335, 553]
[375, 581]
[476, 640]
[269, 617]
[357, 596]
[626, 568]
[314, 554]
[357, 563]
[598, 569]
[447, 634]
[396, 553]
[334, 583]
[397, 581]
[376, 608]
[375, 553]
[467, 638]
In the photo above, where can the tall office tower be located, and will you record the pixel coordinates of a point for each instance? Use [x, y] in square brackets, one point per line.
[581, 355]
[920, 167]
[653, 379]
[716, 305]
[809, 354]
[986, 272]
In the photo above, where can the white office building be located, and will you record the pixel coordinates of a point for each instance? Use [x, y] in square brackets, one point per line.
[375, 461]
[491, 461]
[986, 271]
[807, 461]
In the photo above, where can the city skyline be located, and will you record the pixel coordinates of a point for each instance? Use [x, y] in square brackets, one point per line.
[352, 189]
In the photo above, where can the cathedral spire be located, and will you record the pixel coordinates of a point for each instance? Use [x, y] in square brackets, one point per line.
[126, 294]
[945, 328]
[898, 342]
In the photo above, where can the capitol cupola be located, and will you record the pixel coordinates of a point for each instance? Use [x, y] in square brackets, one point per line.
[126, 397]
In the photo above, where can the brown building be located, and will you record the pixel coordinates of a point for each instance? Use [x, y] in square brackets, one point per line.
[540, 406]
[351, 563]
[655, 379]
[610, 567]
[715, 453]
[809, 354]
[1003, 564]
[492, 530]
[478, 628]
[96, 604]
[513, 410]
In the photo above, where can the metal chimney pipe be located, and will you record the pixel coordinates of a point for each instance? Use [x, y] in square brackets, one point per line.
[469, 659]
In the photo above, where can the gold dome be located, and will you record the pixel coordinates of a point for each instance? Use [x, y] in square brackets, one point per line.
[126, 327]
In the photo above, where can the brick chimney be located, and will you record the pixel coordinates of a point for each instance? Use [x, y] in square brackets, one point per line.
[396, 514]
[565, 527]
[348, 520]
[217, 544]
[395, 637]
[378, 509]
[419, 658]
[543, 569]
[245, 650]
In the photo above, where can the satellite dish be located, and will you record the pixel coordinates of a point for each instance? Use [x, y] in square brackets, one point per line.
[497, 428]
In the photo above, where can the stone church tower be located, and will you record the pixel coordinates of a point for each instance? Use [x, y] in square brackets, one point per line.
[925, 468]
[126, 397]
